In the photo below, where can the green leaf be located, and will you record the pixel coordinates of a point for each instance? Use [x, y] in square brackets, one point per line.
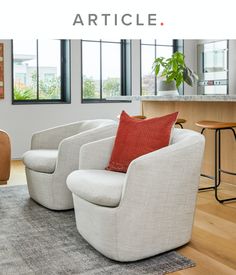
[179, 79]
[174, 68]
[157, 69]
[188, 80]
[175, 65]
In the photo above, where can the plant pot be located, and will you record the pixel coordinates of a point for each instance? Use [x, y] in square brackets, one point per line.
[167, 88]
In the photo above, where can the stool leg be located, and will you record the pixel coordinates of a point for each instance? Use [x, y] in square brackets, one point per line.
[218, 169]
[207, 176]
[219, 158]
[217, 162]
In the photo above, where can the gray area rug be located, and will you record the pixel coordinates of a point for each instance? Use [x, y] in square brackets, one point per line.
[35, 240]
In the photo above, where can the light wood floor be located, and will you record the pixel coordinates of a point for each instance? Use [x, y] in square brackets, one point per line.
[213, 244]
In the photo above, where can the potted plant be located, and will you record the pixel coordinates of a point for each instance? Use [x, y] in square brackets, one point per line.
[172, 73]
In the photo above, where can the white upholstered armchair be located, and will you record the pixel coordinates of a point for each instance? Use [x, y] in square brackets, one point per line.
[54, 155]
[144, 212]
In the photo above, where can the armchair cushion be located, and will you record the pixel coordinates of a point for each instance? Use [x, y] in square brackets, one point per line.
[99, 187]
[43, 161]
[137, 137]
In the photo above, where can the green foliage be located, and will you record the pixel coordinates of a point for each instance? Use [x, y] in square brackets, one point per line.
[24, 94]
[89, 88]
[174, 68]
[48, 89]
[111, 87]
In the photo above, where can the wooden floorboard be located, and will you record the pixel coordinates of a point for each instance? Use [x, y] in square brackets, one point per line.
[213, 243]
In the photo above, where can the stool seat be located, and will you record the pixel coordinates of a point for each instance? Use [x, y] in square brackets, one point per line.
[209, 124]
[180, 120]
[139, 117]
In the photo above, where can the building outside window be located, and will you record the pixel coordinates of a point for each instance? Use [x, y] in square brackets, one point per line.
[41, 71]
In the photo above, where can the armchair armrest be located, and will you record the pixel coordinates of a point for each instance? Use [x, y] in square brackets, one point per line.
[96, 155]
[70, 148]
[51, 138]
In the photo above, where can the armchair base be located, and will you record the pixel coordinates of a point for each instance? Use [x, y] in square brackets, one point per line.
[42, 190]
[100, 227]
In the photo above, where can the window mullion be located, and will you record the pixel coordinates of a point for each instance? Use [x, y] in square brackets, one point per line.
[100, 69]
[62, 69]
[37, 68]
[155, 91]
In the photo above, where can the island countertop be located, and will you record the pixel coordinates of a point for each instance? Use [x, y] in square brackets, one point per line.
[203, 98]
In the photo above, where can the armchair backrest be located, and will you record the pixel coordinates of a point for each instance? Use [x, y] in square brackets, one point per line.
[51, 138]
[86, 125]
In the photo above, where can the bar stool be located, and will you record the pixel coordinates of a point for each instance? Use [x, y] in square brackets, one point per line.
[139, 117]
[217, 127]
[180, 121]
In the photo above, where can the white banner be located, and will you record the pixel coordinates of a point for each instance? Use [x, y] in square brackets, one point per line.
[101, 19]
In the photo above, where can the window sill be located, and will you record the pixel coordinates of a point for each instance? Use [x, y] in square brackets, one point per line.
[89, 101]
[33, 102]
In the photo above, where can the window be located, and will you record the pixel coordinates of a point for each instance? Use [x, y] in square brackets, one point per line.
[106, 69]
[41, 71]
[151, 49]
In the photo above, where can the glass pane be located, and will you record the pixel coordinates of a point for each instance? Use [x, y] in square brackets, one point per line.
[168, 42]
[25, 69]
[49, 62]
[164, 51]
[91, 70]
[148, 41]
[148, 77]
[111, 69]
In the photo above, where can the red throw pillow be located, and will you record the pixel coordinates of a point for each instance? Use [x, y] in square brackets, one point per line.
[137, 137]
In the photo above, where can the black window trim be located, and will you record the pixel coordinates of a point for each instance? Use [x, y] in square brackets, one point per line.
[65, 73]
[123, 72]
[175, 46]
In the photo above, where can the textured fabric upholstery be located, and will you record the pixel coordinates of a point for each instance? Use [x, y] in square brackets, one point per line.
[49, 187]
[97, 186]
[41, 160]
[157, 206]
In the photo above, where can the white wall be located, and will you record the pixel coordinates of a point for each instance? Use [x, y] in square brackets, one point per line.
[232, 67]
[20, 121]
[190, 52]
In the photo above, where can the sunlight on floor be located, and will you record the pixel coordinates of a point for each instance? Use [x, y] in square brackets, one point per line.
[17, 176]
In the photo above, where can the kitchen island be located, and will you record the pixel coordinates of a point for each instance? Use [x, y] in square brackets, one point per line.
[194, 108]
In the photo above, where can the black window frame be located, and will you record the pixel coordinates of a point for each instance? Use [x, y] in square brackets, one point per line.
[125, 68]
[178, 45]
[65, 77]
